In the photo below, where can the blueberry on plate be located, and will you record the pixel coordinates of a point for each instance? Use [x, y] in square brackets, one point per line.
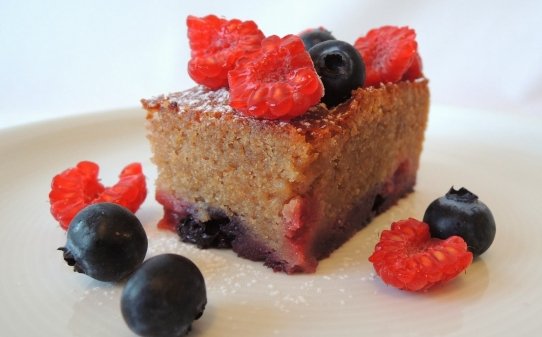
[461, 213]
[312, 37]
[340, 68]
[164, 296]
[105, 241]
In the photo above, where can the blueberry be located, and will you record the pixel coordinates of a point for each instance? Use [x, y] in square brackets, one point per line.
[210, 233]
[341, 69]
[460, 213]
[312, 37]
[164, 296]
[105, 241]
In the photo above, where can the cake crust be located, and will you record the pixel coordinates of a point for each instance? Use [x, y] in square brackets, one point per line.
[292, 191]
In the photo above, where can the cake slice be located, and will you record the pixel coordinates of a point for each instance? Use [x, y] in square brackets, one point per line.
[284, 192]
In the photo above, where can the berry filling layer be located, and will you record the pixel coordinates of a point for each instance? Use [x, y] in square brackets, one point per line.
[208, 226]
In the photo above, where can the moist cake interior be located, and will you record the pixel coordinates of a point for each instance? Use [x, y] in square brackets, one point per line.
[284, 192]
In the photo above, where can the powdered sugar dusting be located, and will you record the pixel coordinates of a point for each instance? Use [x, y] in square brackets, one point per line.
[241, 292]
[228, 277]
[216, 104]
[202, 99]
[341, 281]
[319, 121]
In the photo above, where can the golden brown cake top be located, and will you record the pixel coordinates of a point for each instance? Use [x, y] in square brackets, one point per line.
[317, 122]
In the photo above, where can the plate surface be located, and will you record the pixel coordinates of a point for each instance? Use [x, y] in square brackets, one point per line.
[498, 157]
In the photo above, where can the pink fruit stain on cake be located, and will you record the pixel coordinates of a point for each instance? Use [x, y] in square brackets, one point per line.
[288, 190]
[296, 216]
[175, 210]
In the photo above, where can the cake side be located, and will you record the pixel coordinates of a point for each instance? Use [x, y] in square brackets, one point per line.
[293, 191]
[372, 162]
[213, 163]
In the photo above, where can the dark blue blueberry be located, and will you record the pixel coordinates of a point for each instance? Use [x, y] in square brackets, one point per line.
[206, 234]
[312, 37]
[105, 241]
[460, 213]
[164, 296]
[341, 70]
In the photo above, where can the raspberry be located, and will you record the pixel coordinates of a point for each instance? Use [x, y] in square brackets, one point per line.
[407, 258]
[72, 190]
[415, 70]
[77, 187]
[388, 53]
[130, 191]
[277, 82]
[216, 45]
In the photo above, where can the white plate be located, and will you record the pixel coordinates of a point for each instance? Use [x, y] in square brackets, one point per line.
[498, 157]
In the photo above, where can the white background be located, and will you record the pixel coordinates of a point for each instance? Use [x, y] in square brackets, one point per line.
[66, 57]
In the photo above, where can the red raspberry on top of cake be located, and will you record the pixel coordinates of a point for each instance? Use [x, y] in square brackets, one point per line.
[216, 45]
[277, 82]
[286, 182]
[390, 54]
